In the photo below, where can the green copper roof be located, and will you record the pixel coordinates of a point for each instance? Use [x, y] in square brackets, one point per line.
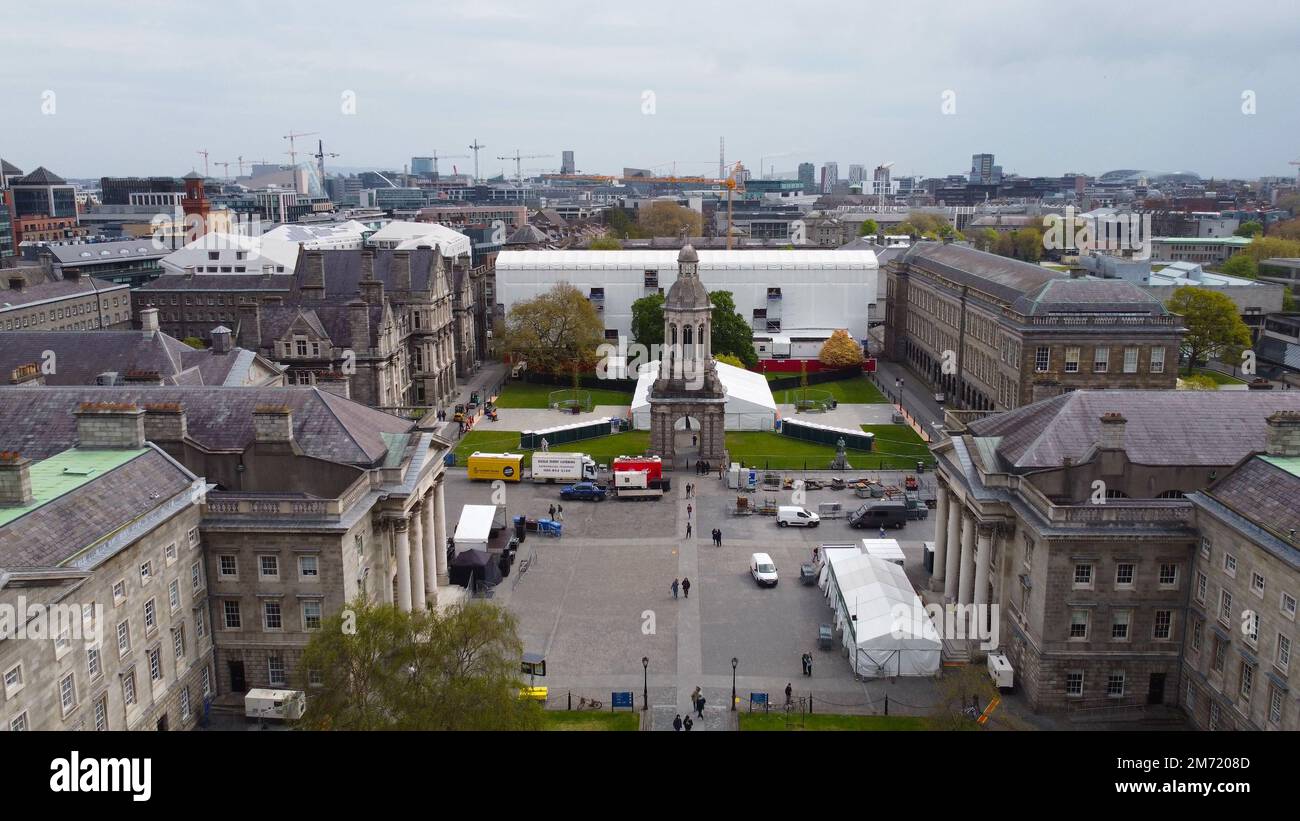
[1291, 464]
[65, 472]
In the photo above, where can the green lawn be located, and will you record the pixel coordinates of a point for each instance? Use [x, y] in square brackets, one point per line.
[899, 440]
[530, 395]
[1219, 378]
[775, 721]
[769, 450]
[603, 449]
[857, 390]
[588, 721]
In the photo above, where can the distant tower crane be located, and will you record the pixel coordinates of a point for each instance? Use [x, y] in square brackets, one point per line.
[475, 147]
[291, 136]
[320, 156]
[205, 161]
[437, 157]
[519, 158]
[226, 167]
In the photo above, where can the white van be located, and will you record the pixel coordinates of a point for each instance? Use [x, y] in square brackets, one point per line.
[797, 516]
[763, 569]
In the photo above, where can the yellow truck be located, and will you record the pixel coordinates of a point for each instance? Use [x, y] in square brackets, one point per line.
[508, 467]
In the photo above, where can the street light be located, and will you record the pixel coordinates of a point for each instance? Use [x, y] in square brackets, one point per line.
[645, 683]
[734, 661]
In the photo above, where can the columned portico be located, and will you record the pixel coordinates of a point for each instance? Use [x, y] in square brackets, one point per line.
[940, 539]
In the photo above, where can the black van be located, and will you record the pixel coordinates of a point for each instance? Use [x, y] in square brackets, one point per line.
[873, 515]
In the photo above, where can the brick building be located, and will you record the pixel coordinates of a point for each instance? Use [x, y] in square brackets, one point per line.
[993, 333]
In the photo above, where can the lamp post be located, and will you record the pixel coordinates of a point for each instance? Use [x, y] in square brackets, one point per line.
[645, 683]
[734, 662]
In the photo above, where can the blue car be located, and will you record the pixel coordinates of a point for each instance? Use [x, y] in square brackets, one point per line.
[589, 491]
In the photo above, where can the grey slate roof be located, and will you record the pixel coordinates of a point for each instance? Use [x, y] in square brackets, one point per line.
[1210, 428]
[81, 356]
[1264, 493]
[102, 253]
[8, 169]
[41, 176]
[61, 288]
[59, 529]
[343, 271]
[1001, 276]
[220, 282]
[1073, 295]
[39, 422]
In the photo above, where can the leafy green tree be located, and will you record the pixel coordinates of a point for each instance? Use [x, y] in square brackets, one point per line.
[1214, 326]
[556, 332]
[985, 239]
[1288, 300]
[731, 332]
[383, 669]
[962, 689]
[194, 342]
[1249, 228]
[728, 359]
[605, 244]
[648, 320]
[1240, 265]
[868, 228]
[668, 219]
[1198, 382]
[1262, 248]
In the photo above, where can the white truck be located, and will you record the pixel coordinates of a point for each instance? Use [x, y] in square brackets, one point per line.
[476, 526]
[637, 484]
[280, 705]
[566, 468]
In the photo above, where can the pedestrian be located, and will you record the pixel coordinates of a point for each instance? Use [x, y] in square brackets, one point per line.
[686, 587]
[688, 530]
[789, 694]
[882, 531]
[695, 695]
[677, 723]
[674, 588]
[688, 724]
[719, 537]
[695, 440]
[699, 706]
[551, 513]
[559, 513]
[688, 510]
[809, 655]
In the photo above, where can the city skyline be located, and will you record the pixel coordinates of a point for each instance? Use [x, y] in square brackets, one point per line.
[119, 103]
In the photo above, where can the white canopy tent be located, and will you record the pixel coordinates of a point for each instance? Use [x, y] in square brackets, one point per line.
[887, 631]
[750, 405]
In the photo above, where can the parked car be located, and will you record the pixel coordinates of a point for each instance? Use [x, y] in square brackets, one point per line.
[763, 569]
[584, 491]
[887, 513]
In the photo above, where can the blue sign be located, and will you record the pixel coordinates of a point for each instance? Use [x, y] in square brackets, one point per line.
[623, 699]
[758, 698]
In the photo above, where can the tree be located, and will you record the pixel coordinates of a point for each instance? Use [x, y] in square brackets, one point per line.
[1240, 265]
[648, 320]
[1288, 300]
[840, 351]
[1290, 202]
[869, 227]
[1262, 248]
[960, 690]
[731, 332]
[556, 332]
[728, 359]
[1198, 382]
[194, 342]
[1028, 244]
[606, 243]
[1249, 228]
[668, 219]
[1287, 229]
[985, 239]
[621, 224]
[1214, 326]
[384, 669]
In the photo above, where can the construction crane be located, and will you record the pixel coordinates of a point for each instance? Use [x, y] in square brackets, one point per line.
[731, 184]
[241, 162]
[519, 158]
[475, 147]
[320, 156]
[1297, 171]
[291, 136]
[226, 166]
[205, 161]
[436, 157]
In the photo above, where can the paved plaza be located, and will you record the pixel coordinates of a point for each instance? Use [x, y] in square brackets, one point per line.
[598, 599]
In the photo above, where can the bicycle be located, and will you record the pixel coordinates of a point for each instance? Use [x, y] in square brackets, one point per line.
[589, 704]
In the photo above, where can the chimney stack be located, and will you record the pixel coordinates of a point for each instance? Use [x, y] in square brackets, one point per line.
[110, 426]
[367, 264]
[149, 321]
[1112, 431]
[164, 422]
[15, 480]
[359, 323]
[273, 424]
[401, 262]
[250, 326]
[17, 283]
[1284, 434]
[313, 273]
[221, 339]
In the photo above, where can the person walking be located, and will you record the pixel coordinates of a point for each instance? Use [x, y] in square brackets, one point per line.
[689, 510]
[674, 588]
[695, 695]
[882, 531]
[789, 694]
[688, 530]
[809, 657]
[719, 537]
[686, 587]
[677, 723]
[559, 513]
[699, 706]
[688, 724]
[551, 513]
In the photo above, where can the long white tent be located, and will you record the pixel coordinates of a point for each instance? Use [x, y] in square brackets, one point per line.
[887, 631]
[750, 405]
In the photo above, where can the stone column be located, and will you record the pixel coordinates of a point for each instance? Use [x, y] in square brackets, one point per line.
[440, 531]
[952, 573]
[982, 556]
[940, 539]
[418, 538]
[967, 585]
[401, 527]
[430, 554]
[384, 567]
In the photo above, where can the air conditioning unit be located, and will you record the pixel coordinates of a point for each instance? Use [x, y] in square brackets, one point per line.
[108, 378]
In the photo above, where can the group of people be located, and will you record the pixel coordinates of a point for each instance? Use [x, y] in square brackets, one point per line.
[702, 468]
[684, 584]
[557, 513]
[806, 658]
[697, 706]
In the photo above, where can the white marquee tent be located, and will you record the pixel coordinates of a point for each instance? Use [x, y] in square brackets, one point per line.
[750, 405]
[887, 631]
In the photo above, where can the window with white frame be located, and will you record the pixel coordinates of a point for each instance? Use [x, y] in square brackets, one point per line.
[67, 693]
[1079, 625]
[1198, 634]
[1287, 606]
[13, 680]
[231, 610]
[1168, 575]
[1163, 626]
[19, 723]
[1100, 360]
[150, 617]
[1225, 607]
[119, 592]
[1157, 360]
[275, 669]
[178, 642]
[311, 615]
[1250, 628]
[1130, 360]
[308, 568]
[1230, 565]
[101, 713]
[185, 702]
[155, 664]
[1220, 655]
[271, 619]
[1205, 548]
[1074, 683]
[1274, 705]
[1247, 680]
[128, 688]
[1119, 624]
[123, 637]
[270, 567]
[1042, 359]
[1202, 585]
[315, 678]
[194, 537]
[1115, 684]
[200, 622]
[1083, 575]
[1282, 657]
[207, 680]
[196, 576]
[1124, 574]
[94, 664]
[170, 553]
[227, 567]
[1072, 359]
[1257, 583]
[174, 595]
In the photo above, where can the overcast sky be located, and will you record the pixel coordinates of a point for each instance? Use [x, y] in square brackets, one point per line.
[139, 87]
